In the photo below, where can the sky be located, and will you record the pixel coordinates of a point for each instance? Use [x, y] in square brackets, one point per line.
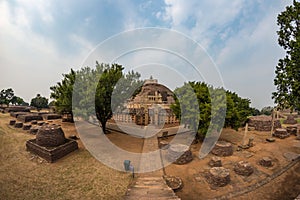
[41, 40]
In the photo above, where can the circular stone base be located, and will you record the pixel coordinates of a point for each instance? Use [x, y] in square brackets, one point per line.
[222, 148]
[218, 176]
[243, 168]
[174, 182]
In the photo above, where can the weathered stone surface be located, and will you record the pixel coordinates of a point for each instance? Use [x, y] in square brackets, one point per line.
[266, 162]
[281, 133]
[243, 168]
[29, 117]
[291, 156]
[12, 122]
[163, 144]
[17, 109]
[18, 124]
[222, 148]
[292, 130]
[33, 122]
[40, 123]
[179, 154]
[50, 136]
[215, 162]
[290, 120]
[263, 123]
[16, 114]
[174, 182]
[270, 139]
[50, 116]
[26, 126]
[34, 129]
[218, 176]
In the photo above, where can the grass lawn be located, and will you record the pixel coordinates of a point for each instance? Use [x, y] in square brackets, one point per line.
[76, 176]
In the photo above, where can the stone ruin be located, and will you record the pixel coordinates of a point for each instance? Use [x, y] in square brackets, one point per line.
[29, 117]
[12, 122]
[243, 168]
[50, 143]
[281, 133]
[34, 129]
[215, 162]
[222, 148]
[218, 176]
[263, 123]
[174, 182]
[17, 109]
[163, 144]
[26, 126]
[16, 114]
[292, 130]
[179, 154]
[50, 116]
[290, 120]
[266, 162]
[18, 125]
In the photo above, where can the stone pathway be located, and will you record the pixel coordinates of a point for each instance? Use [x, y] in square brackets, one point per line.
[150, 185]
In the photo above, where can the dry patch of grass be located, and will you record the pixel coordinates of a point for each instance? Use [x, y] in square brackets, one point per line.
[76, 176]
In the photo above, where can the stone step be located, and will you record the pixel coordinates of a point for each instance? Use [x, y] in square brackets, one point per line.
[150, 188]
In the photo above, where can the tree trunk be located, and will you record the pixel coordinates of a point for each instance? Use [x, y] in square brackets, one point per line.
[103, 126]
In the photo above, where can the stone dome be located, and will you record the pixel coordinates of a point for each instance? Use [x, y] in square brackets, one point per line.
[50, 136]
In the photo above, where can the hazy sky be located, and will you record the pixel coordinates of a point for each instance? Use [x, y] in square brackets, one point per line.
[41, 40]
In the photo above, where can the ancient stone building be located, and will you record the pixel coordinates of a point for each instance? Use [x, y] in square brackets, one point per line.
[150, 106]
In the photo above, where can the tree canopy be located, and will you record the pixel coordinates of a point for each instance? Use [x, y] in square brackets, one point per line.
[39, 102]
[236, 113]
[7, 96]
[287, 80]
[96, 92]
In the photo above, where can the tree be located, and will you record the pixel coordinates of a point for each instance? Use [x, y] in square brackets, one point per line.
[208, 111]
[268, 110]
[6, 96]
[62, 93]
[99, 91]
[18, 101]
[39, 102]
[287, 80]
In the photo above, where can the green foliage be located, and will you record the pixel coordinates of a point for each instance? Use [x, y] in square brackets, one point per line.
[238, 110]
[39, 102]
[96, 92]
[18, 101]
[287, 80]
[210, 107]
[6, 96]
[268, 110]
[62, 93]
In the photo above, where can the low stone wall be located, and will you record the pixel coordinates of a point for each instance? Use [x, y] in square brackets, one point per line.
[263, 123]
[30, 117]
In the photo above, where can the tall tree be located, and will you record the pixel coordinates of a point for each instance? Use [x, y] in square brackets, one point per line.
[6, 96]
[39, 102]
[104, 91]
[96, 92]
[62, 93]
[287, 80]
[209, 109]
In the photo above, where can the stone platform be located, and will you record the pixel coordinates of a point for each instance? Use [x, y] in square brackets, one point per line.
[51, 154]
